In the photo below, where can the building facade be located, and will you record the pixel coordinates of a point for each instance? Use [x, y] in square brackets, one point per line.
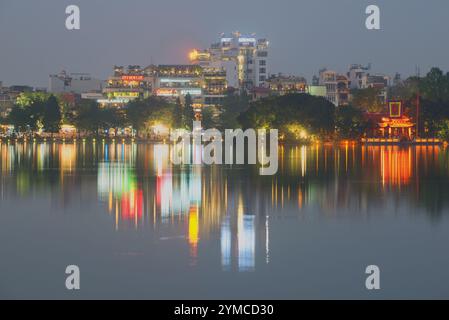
[125, 85]
[282, 84]
[328, 78]
[380, 82]
[244, 58]
[356, 74]
[74, 83]
[176, 81]
[360, 78]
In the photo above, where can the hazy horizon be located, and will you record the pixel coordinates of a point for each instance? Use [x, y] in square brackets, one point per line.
[304, 35]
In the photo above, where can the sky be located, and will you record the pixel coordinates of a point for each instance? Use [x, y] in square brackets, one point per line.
[304, 35]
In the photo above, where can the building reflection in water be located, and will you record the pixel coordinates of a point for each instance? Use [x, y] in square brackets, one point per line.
[396, 166]
[232, 207]
[242, 248]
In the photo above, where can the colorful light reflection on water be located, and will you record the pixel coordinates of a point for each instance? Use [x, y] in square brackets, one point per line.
[229, 208]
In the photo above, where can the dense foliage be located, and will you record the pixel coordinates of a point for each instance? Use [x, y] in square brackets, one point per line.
[296, 116]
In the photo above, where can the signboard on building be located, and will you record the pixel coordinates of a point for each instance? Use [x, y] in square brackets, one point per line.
[395, 109]
[132, 78]
[165, 92]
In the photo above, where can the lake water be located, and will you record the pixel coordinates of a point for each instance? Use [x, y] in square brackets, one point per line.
[139, 227]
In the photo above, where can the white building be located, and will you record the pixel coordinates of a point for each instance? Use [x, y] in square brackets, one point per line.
[356, 74]
[74, 83]
[328, 79]
[378, 81]
[360, 78]
[243, 57]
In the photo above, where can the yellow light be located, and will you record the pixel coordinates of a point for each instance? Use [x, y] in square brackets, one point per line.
[193, 55]
[159, 128]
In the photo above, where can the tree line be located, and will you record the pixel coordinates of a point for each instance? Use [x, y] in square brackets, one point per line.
[298, 117]
[303, 117]
[37, 111]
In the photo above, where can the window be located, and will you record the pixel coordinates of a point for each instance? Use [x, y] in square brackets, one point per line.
[262, 53]
[262, 78]
[262, 70]
[262, 62]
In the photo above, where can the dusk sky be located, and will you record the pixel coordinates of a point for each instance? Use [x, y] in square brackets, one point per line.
[304, 35]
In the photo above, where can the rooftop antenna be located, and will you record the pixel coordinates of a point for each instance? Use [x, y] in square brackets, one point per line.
[417, 71]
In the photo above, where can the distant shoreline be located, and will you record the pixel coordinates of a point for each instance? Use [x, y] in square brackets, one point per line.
[127, 140]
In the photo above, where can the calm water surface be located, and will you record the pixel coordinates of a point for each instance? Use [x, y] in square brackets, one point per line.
[139, 227]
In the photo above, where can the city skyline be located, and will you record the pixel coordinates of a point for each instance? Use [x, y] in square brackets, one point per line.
[148, 39]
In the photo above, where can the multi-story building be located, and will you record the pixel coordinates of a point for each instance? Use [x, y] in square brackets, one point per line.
[176, 81]
[243, 57]
[214, 86]
[206, 85]
[282, 84]
[380, 82]
[342, 90]
[74, 83]
[356, 74]
[328, 79]
[360, 78]
[337, 87]
[126, 85]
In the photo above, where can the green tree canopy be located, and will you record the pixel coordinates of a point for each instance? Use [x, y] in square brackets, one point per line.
[189, 113]
[178, 114]
[26, 99]
[51, 118]
[88, 116]
[349, 122]
[233, 105]
[433, 90]
[152, 109]
[293, 115]
[368, 99]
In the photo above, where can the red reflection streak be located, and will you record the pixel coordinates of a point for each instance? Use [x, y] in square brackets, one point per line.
[132, 205]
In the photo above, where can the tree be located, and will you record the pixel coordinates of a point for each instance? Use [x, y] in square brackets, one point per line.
[28, 117]
[51, 119]
[19, 117]
[233, 105]
[443, 130]
[368, 99]
[349, 122]
[189, 113]
[111, 118]
[136, 114]
[294, 115]
[26, 99]
[88, 117]
[152, 109]
[208, 117]
[178, 114]
[435, 86]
